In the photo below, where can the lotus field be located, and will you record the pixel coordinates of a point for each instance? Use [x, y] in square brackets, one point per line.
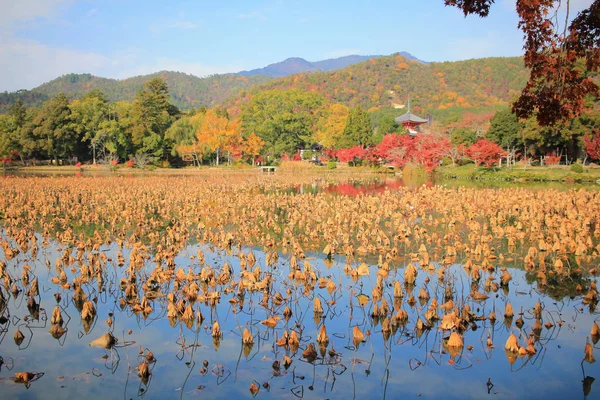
[295, 286]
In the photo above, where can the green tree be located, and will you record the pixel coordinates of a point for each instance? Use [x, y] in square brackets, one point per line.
[183, 132]
[464, 136]
[88, 114]
[152, 116]
[358, 129]
[18, 112]
[11, 125]
[387, 124]
[505, 129]
[284, 119]
[115, 132]
[8, 144]
[51, 131]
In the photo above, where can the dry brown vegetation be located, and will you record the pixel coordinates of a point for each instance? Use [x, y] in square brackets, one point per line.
[428, 231]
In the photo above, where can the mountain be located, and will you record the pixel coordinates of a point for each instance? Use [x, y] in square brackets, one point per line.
[441, 89]
[287, 67]
[187, 91]
[296, 65]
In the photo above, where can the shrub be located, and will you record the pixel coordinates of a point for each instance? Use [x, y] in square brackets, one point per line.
[577, 168]
[130, 163]
[331, 164]
[552, 160]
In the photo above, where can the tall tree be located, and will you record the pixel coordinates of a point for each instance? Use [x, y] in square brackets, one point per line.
[115, 133]
[152, 116]
[358, 129]
[183, 132]
[562, 56]
[504, 129]
[284, 119]
[331, 126]
[252, 146]
[11, 125]
[51, 130]
[218, 133]
[88, 114]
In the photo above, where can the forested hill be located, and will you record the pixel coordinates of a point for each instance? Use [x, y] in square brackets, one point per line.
[383, 82]
[389, 81]
[187, 91]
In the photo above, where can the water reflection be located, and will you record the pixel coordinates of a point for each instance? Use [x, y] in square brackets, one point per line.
[207, 326]
[148, 300]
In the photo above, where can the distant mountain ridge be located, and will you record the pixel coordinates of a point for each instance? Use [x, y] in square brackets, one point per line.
[378, 83]
[444, 90]
[187, 91]
[296, 65]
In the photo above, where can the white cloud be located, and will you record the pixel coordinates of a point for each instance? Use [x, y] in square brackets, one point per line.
[342, 52]
[27, 10]
[25, 64]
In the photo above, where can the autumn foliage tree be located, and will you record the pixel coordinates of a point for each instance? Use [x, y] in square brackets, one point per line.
[485, 152]
[351, 154]
[562, 60]
[219, 133]
[430, 149]
[592, 145]
[396, 149]
[252, 146]
[426, 150]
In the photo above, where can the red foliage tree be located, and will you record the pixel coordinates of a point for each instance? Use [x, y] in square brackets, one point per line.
[485, 152]
[592, 145]
[351, 154]
[430, 149]
[396, 149]
[557, 85]
[426, 150]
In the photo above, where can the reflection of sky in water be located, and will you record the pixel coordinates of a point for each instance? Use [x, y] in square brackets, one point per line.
[70, 370]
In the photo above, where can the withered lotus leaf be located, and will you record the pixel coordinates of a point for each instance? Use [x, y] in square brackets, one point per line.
[106, 341]
[322, 337]
[512, 343]
[357, 335]
[588, 355]
[247, 337]
[18, 337]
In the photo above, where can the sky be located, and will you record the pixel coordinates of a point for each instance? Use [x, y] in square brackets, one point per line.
[43, 39]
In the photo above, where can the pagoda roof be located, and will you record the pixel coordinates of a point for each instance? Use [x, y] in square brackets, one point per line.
[410, 117]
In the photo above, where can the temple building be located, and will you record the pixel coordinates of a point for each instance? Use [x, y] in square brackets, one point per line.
[410, 121]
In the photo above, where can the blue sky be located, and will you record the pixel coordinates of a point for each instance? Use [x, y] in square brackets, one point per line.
[43, 39]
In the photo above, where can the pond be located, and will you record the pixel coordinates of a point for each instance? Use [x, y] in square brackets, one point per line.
[185, 287]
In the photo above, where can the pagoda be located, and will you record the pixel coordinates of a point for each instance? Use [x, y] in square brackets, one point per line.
[410, 121]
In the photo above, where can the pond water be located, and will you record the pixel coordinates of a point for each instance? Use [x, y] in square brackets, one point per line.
[166, 299]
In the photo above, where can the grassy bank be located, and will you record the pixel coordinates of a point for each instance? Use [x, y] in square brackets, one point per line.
[521, 174]
[287, 167]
